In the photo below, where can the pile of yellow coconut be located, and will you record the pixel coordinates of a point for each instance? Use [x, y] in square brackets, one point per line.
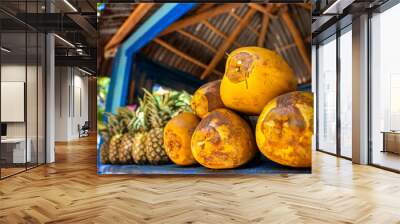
[257, 82]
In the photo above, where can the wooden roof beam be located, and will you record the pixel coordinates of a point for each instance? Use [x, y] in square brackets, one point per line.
[264, 27]
[137, 14]
[257, 7]
[195, 38]
[238, 18]
[261, 9]
[182, 54]
[228, 42]
[218, 32]
[179, 53]
[204, 7]
[214, 29]
[297, 38]
[200, 17]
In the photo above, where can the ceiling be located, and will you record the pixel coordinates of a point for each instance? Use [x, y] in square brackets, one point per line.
[74, 22]
[192, 47]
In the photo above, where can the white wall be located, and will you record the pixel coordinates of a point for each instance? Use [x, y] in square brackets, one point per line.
[62, 82]
[16, 72]
[71, 102]
[33, 127]
[80, 101]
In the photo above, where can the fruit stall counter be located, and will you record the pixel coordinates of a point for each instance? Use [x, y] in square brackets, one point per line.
[263, 166]
[253, 121]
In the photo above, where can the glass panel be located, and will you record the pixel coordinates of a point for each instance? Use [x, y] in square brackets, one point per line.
[32, 88]
[31, 98]
[41, 99]
[346, 94]
[327, 96]
[23, 82]
[385, 84]
[13, 87]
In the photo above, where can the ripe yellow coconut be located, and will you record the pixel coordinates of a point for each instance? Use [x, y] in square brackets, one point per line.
[285, 127]
[207, 98]
[254, 76]
[177, 135]
[223, 140]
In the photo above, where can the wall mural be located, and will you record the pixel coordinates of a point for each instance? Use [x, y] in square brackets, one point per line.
[239, 112]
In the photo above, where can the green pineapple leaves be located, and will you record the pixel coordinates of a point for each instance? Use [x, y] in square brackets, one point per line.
[154, 110]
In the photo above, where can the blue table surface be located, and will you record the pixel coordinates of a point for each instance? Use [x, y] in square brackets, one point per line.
[257, 166]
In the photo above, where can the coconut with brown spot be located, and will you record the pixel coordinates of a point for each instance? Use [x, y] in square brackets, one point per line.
[223, 140]
[254, 76]
[207, 98]
[285, 127]
[177, 135]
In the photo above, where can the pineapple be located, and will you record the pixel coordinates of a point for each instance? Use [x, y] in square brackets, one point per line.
[127, 139]
[139, 149]
[104, 153]
[115, 138]
[153, 113]
[158, 115]
[155, 152]
[104, 150]
[124, 151]
[140, 126]
[117, 125]
[113, 148]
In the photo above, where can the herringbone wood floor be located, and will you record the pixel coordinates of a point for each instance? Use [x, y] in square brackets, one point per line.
[70, 191]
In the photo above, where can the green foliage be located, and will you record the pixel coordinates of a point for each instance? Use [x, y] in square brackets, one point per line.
[154, 110]
[102, 88]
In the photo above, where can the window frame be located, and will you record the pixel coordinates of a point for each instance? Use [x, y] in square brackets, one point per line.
[334, 37]
[381, 9]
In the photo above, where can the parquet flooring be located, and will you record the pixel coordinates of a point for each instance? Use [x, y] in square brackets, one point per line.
[70, 191]
[10, 171]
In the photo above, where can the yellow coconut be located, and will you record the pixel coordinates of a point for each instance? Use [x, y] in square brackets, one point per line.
[177, 136]
[223, 140]
[207, 98]
[253, 76]
[285, 127]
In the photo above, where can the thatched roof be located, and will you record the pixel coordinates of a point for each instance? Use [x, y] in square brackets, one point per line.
[199, 42]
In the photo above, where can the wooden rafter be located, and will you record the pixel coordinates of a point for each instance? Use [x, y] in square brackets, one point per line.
[218, 32]
[214, 29]
[251, 28]
[193, 37]
[297, 38]
[257, 7]
[126, 28]
[199, 17]
[204, 7]
[261, 9]
[264, 27]
[182, 54]
[227, 43]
